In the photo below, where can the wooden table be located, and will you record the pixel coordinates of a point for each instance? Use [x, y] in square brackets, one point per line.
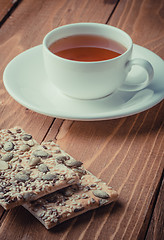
[127, 153]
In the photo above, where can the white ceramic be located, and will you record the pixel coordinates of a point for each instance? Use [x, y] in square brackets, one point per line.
[26, 81]
[92, 80]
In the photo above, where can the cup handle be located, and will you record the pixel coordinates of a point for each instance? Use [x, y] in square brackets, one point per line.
[130, 86]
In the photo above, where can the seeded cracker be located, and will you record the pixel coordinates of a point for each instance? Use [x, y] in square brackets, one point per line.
[89, 193]
[28, 171]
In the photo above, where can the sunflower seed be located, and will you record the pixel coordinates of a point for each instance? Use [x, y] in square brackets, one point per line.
[71, 181]
[93, 200]
[86, 189]
[18, 130]
[78, 209]
[41, 215]
[84, 196]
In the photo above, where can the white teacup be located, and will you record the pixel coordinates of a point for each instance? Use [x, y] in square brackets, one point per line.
[92, 80]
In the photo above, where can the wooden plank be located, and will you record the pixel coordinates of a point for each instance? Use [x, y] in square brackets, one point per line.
[5, 7]
[27, 27]
[11, 113]
[156, 228]
[127, 153]
[143, 20]
[18, 34]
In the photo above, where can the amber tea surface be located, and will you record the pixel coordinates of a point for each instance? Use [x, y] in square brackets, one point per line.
[87, 48]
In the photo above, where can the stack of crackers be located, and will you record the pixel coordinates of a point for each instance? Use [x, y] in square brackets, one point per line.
[47, 181]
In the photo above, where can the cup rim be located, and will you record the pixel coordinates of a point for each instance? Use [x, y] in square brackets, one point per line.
[48, 35]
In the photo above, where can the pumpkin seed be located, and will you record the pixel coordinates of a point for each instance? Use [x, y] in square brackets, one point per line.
[61, 159]
[7, 157]
[102, 202]
[31, 143]
[8, 146]
[24, 148]
[40, 153]
[22, 177]
[68, 192]
[49, 176]
[34, 161]
[26, 137]
[100, 194]
[27, 196]
[3, 165]
[27, 171]
[73, 163]
[43, 168]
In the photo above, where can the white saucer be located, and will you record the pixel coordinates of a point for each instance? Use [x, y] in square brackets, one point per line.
[25, 80]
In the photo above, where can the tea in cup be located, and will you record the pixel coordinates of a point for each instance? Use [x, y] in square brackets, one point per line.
[91, 60]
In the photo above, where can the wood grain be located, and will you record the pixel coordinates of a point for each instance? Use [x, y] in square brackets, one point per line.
[144, 21]
[126, 153]
[138, 18]
[5, 7]
[21, 32]
[156, 228]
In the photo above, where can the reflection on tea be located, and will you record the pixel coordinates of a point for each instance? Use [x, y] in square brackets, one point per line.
[87, 48]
